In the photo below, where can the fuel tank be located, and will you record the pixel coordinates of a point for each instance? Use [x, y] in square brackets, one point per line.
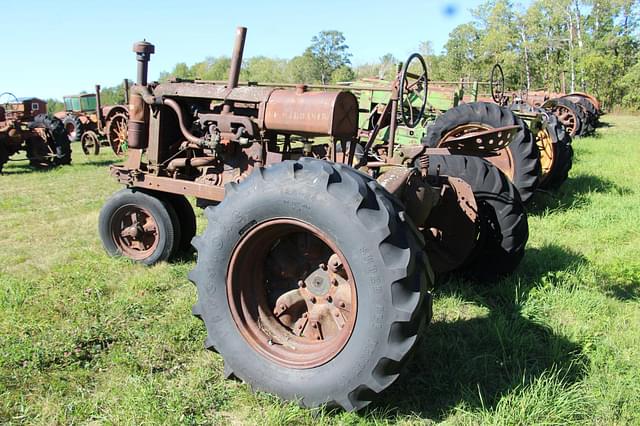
[312, 113]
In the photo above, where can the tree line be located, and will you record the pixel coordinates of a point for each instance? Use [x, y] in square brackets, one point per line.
[572, 45]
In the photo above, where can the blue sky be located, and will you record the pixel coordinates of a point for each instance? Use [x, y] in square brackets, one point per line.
[54, 48]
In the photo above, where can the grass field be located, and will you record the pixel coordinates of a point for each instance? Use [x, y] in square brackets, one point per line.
[85, 338]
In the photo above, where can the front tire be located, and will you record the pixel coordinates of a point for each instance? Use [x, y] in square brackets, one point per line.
[140, 226]
[73, 127]
[260, 289]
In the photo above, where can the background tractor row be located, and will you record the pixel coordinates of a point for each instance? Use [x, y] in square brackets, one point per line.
[93, 124]
[24, 126]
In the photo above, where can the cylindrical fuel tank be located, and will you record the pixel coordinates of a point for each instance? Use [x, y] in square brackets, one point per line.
[312, 113]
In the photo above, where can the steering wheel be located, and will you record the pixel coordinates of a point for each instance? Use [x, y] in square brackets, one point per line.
[10, 94]
[414, 86]
[497, 84]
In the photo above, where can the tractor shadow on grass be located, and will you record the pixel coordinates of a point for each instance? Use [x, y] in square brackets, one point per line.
[575, 192]
[22, 168]
[486, 348]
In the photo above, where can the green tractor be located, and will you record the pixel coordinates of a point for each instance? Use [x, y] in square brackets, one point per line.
[447, 117]
[95, 125]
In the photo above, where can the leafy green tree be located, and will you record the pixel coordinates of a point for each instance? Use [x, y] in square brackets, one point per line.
[631, 86]
[343, 74]
[263, 69]
[54, 105]
[302, 69]
[329, 53]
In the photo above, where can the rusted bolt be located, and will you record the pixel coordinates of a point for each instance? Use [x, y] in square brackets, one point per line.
[301, 284]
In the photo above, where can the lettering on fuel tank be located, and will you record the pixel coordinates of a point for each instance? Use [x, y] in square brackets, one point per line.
[300, 115]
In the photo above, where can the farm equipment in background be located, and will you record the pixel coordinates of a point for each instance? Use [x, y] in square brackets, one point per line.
[551, 137]
[578, 112]
[94, 125]
[24, 126]
[452, 112]
[311, 276]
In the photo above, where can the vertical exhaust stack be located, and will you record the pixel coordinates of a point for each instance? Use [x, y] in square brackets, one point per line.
[98, 107]
[236, 58]
[125, 85]
[138, 127]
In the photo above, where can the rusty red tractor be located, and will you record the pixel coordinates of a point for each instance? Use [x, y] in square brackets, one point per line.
[24, 126]
[95, 125]
[578, 112]
[313, 273]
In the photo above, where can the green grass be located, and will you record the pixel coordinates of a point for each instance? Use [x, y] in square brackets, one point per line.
[85, 338]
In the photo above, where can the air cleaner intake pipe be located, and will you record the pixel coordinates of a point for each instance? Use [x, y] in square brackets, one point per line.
[138, 129]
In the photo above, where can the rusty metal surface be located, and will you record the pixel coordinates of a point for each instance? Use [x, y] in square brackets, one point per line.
[452, 228]
[298, 305]
[138, 124]
[176, 186]
[236, 57]
[475, 137]
[480, 139]
[312, 113]
[210, 91]
[134, 231]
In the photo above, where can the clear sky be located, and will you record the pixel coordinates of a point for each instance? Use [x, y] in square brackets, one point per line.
[54, 48]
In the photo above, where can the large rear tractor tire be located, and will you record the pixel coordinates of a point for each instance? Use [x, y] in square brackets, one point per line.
[519, 161]
[590, 112]
[568, 113]
[73, 127]
[186, 217]
[503, 230]
[139, 225]
[311, 283]
[556, 153]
